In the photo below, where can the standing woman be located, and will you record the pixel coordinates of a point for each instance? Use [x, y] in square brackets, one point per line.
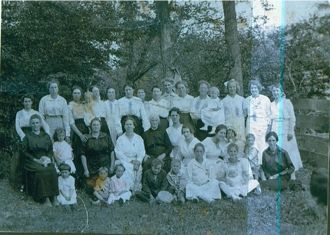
[97, 152]
[77, 124]
[41, 177]
[234, 109]
[283, 123]
[258, 109]
[113, 118]
[130, 152]
[198, 104]
[175, 130]
[184, 103]
[54, 109]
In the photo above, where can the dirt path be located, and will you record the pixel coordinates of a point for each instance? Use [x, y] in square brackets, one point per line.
[253, 215]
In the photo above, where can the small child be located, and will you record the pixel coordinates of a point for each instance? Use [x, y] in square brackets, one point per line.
[176, 181]
[154, 181]
[66, 182]
[232, 138]
[102, 186]
[119, 189]
[213, 114]
[62, 150]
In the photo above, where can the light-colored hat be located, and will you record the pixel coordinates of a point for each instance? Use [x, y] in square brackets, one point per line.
[165, 196]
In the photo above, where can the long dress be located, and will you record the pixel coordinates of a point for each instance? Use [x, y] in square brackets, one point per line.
[67, 186]
[259, 115]
[127, 150]
[40, 181]
[63, 152]
[283, 123]
[119, 189]
[234, 114]
[200, 185]
[56, 113]
[175, 134]
[215, 154]
[113, 119]
[213, 118]
[237, 179]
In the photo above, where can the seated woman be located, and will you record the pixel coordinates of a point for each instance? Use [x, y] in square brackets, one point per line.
[200, 185]
[41, 177]
[276, 165]
[97, 152]
[157, 144]
[234, 176]
[130, 152]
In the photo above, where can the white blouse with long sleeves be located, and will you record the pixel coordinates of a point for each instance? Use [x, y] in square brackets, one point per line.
[197, 105]
[183, 103]
[112, 114]
[160, 107]
[198, 173]
[186, 150]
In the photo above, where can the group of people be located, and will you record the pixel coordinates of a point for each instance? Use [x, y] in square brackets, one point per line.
[173, 147]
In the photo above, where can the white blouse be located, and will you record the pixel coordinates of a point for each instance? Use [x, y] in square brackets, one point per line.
[112, 114]
[212, 150]
[234, 107]
[160, 107]
[175, 134]
[130, 149]
[76, 111]
[258, 107]
[186, 150]
[183, 103]
[197, 105]
[198, 173]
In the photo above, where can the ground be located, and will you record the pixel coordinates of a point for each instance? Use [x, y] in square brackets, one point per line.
[298, 214]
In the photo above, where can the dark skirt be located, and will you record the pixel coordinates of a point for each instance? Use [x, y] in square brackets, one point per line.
[200, 134]
[137, 122]
[41, 183]
[77, 146]
[278, 184]
[104, 126]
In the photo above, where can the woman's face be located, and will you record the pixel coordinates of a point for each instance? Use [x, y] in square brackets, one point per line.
[129, 126]
[254, 90]
[272, 142]
[53, 89]
[129, 92]
[221, 134]
[181, 89]
[35, 124]
[203, 89]
[167, 87]
[232, 89]
[250, 141]
[119, 171]
[27, 103]
[186, 133]
[276, 92]
[232, 152]
[95, 92]
[154, 123]
[96, 126]
[141, 94]
[175, 117]
[199, 152]
[111, 94]
[76, 95]
[156, 93]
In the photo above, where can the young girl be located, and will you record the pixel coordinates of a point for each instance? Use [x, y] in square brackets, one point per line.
[232, 138]
[66, 182]
[235, 182]
[176, 181]
[62, 150]
[102, 186]
[251, 153]
[119, 189]
[213, 114]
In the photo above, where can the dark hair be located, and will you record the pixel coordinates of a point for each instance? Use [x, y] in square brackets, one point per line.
[152, 89]
[232, 145]
[174, 109]
[156, 162]
[256, 83]
[203, 82]
[119, 165]
[128, 85]
[29, 96]
[231, 129]
[189, 127]
[236, 83]
[64, 167]
[58, 130]
[270, 134]
[250, 135]
[95, 119]
[220, 127]
[129, 118]
[199, 145]
[34, 116]
[79, 88]
[53, 80]
[180, 82]
[110, 87]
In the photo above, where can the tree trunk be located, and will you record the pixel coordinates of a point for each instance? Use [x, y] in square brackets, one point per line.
[231, 37]
[163, 14]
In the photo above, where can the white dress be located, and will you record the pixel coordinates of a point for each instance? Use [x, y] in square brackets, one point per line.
[113, 119]
[183, 103]
[67, 186]
[186, 150]
[175, 134]
[119, 189]
[234, 114]
[134, 106]
[160, 108]
[63, 151]
[213, 118]
[259, 115]
[200, 185]
[283, 123]
[237, 179]
[212, 153]
[55, 112]
[22, 119]
[197, 106]
[127, 150]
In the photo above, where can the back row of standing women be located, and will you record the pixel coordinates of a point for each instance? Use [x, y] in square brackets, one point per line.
[255, 115]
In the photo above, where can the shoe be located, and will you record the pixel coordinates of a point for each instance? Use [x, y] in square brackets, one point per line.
[95, 202]
[204, 128]
[212, 132]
